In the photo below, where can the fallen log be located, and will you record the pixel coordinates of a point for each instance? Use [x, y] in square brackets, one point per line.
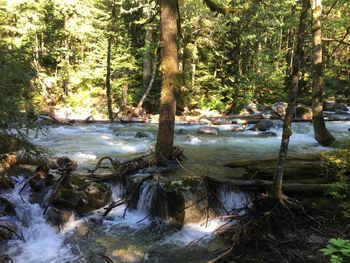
[297, 166]
[289, 188]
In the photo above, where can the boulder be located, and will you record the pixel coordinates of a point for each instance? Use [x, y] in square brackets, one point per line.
[57, 217]
[97, 196]
[263, 125]
[8, 231]
[183, 132]
[68, 198]
[280, 108]
[329, 106]
[207, 130]
[5, 182]
[204, 121]
[267, 134]
[342, 106]
[303, 113]
[6, 207]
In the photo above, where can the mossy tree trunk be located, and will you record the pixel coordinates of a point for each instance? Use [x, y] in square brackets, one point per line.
[322, 135]
[170, 82]
[276, 190]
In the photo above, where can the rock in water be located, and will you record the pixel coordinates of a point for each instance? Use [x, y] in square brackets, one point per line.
[267, 134]
[6, 208]
[183, 132]
[141, 134]
[97, 196]
[280, 108]
[303, 113]
[263, 125]
[208, 130]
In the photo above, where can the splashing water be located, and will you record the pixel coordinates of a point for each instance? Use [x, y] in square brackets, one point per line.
[43, 243]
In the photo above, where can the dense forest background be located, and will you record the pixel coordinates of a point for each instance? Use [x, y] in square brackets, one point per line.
[57, 54]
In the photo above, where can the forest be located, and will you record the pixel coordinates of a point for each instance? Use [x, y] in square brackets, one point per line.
[174, 131]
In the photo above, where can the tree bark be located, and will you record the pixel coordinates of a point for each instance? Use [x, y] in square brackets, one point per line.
[276, 190]
[147, 57]
[108, 79]
[150, 84]
[170, 80]
[322, 135]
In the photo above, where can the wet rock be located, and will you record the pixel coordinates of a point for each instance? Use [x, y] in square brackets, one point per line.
[6, 207]
[9, 231]
[342, 106]
[183, 132]
[5, 259]
[303, 113]
[267, 134]
[57, 217]
[141, 134]
[329, 106]
[208, 130]
[280, 108]
[263, 125]
[5, 182]
[68, 198]
[97, 196]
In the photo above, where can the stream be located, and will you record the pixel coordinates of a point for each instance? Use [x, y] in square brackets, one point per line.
[137, 237]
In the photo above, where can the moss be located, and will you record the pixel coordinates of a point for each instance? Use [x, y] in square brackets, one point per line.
[78, 180]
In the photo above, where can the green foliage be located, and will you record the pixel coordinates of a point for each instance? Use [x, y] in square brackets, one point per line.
[338, 249]
[337, 166]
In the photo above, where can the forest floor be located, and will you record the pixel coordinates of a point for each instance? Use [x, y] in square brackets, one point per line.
[291, 234]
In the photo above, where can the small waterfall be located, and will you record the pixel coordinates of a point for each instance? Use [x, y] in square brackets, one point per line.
[42, 242]
[153, 201]
[234, 201]
[147, 191]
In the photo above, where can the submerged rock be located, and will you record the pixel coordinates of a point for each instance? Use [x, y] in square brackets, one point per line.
[141, 134]
[267, 134]
[183, 132]
[208, 130]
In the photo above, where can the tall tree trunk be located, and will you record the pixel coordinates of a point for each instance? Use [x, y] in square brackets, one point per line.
[276, 190]
[108, 79]
[170, 79]
[147, 57]
[322, 135]
[150, 84]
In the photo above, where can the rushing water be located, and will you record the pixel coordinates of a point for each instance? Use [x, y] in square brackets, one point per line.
[133, 236]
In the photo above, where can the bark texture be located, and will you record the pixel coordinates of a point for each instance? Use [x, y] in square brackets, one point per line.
[276, 190]
[322, 135]
[170, 79]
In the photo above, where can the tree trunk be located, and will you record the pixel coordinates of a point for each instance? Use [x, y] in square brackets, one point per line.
[108, 79]
[150, 84]
[147, 57]
[170, 80]
[276, 190]
[322, 135]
